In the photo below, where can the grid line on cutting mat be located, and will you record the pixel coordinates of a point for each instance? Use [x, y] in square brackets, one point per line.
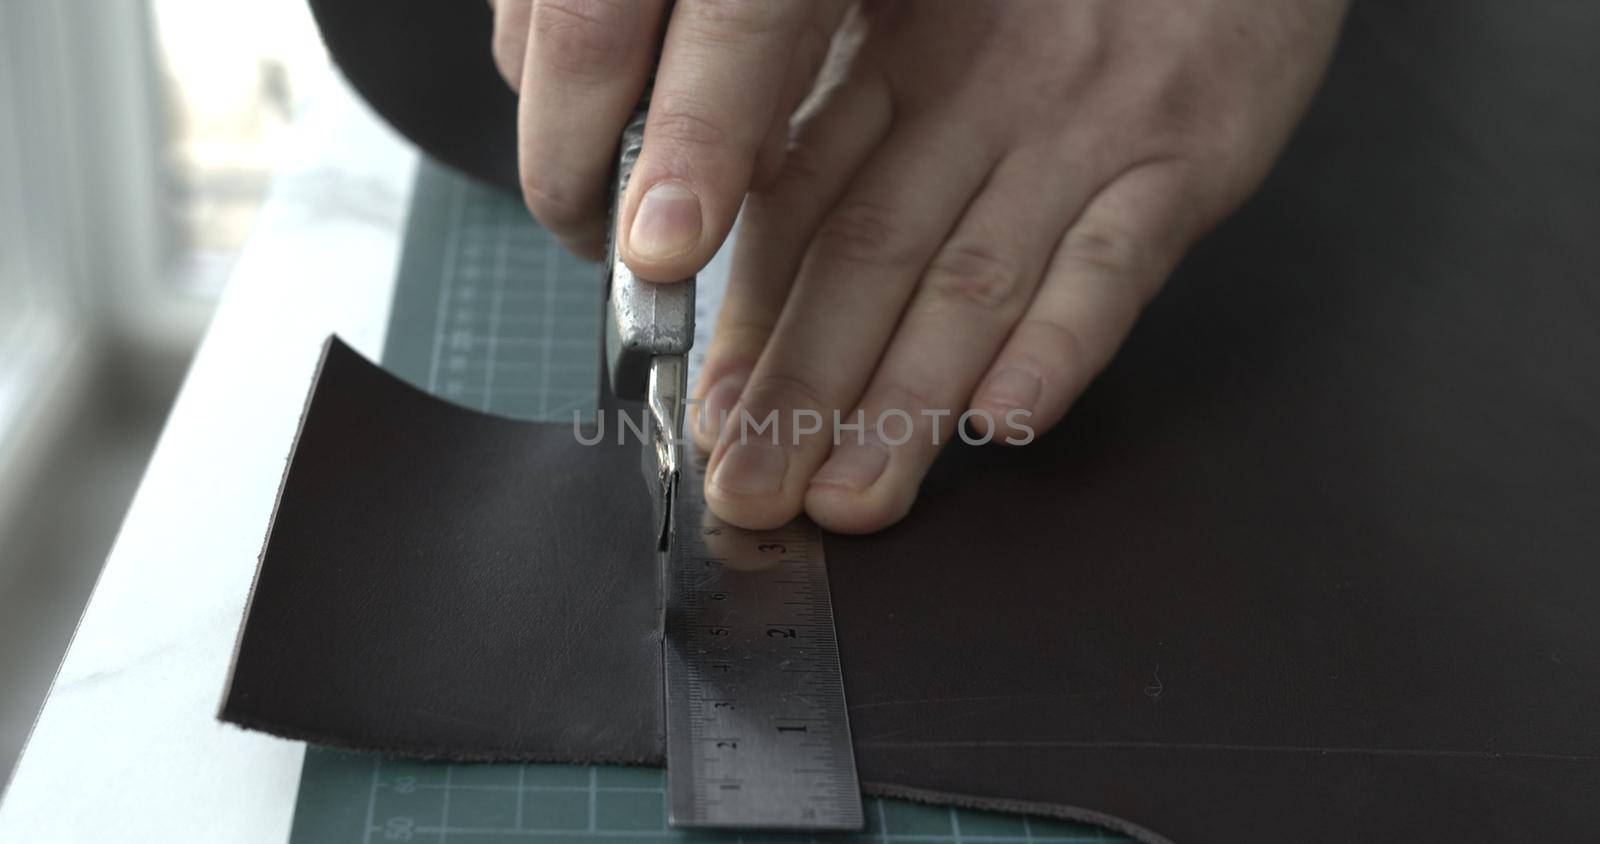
[490, 313]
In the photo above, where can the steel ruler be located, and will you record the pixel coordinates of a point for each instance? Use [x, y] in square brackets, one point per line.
[758, 734]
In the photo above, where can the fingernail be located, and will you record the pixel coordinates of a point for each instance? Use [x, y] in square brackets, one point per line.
[719, 402]
[854, 466]
[754, 467]
[667, 223]
[1014, 387]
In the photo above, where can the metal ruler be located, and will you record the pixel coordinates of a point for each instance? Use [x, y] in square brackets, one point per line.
[758, 734]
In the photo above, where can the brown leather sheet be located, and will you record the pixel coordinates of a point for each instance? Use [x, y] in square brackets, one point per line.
[1181, 626]
[1316, 559]
[443, 583]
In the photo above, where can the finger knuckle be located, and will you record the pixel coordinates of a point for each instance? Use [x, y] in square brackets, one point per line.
[866, 233]
[784, 389]
[974, 276]
[682, 122]
[718, 21]
[580, 38]
[774, 206]
[1101, 248]
[803, 164]
[739, 340]
[556, 211]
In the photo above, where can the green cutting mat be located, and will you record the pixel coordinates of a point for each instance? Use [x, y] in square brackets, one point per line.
[490, 313]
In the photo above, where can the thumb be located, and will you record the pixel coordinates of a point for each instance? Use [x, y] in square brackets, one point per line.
[724, 68]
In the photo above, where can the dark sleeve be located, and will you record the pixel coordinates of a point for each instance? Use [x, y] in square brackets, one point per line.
[425, 66]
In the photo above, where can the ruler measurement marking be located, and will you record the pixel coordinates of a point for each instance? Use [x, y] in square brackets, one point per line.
[757, 725]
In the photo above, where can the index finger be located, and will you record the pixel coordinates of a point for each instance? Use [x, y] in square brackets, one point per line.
[586, 65]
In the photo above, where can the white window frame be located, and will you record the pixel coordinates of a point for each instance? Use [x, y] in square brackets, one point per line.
[84, 240]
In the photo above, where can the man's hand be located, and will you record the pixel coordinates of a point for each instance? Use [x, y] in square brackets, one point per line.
[973, 204]
[730, 74]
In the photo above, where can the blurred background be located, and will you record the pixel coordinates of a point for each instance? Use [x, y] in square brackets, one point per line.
[137, 141]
